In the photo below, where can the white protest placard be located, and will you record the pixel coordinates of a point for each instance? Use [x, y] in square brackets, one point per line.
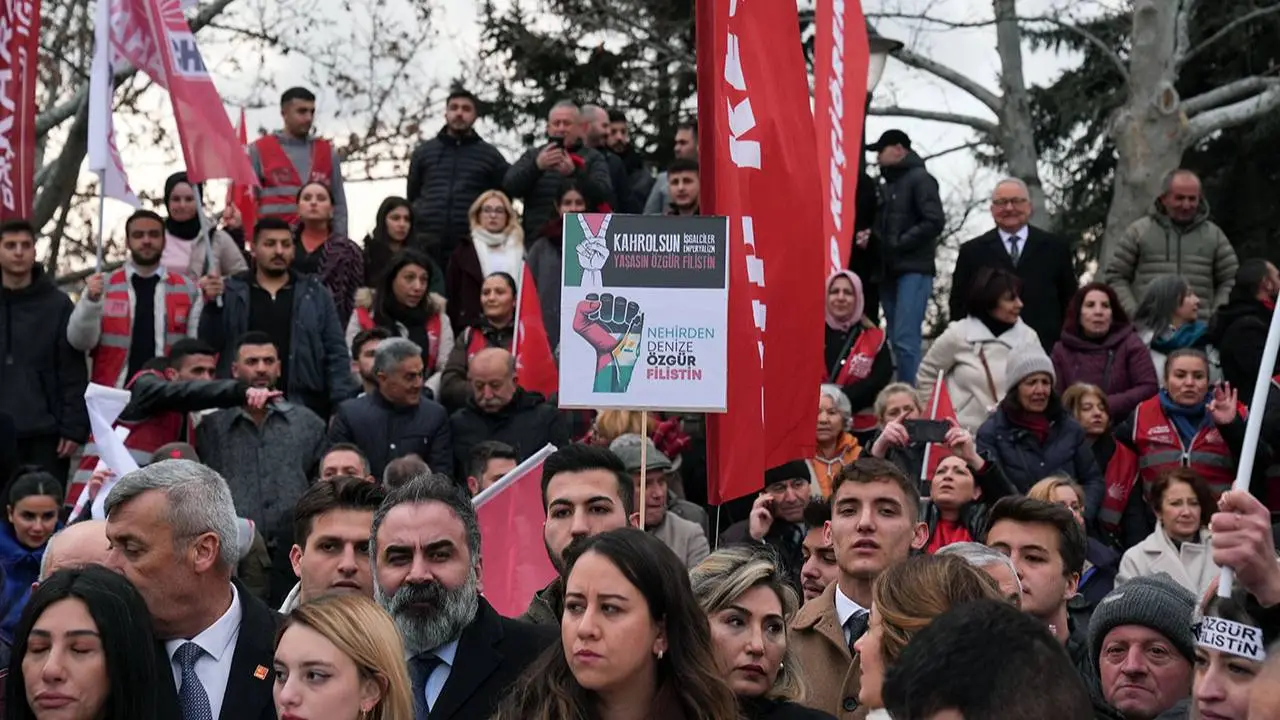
[1231, 637]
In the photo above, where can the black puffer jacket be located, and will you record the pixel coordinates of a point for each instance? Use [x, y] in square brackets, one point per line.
[527, 424]
[42, 378]
[386, 432]
[538, 187]
[446, 175]
[1239, 331]
[910, 218]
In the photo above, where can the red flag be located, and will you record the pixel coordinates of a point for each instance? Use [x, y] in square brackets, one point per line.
[19, 54]
[839, 94]
[940, 408]
[535, 365]
[510, 515]
[757, 164]
[241, 195]
[155, 37]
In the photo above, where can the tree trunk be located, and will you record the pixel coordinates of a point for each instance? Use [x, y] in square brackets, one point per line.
[1016, 131]
[1150, 129]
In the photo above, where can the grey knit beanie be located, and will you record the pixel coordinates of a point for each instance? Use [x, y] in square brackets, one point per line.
[1026, 360]
[1153, 601]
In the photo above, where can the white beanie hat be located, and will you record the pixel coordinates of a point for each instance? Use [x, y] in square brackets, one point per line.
[1024, 361]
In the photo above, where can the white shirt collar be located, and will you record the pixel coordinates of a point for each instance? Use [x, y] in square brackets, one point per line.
[1004, 236]
[218, 638]
[846, 608]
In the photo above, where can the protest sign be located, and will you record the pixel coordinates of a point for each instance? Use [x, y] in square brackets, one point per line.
[644, 312]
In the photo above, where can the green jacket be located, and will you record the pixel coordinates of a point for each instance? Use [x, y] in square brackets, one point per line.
[547, 605]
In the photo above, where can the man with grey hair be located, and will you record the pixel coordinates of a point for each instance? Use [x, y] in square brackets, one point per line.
[1042, 260]
[537, 176]
[501, 410]
[427, 571]
[994, 563]
[396, 420]
[172, 529]
[595, 134]
[78, 545]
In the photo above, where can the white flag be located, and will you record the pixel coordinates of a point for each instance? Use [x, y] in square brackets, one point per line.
[104, 159]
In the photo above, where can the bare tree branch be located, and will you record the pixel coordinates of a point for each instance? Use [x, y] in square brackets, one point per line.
[1182, 38]
[948, 151]
[1227, 30]
[977, 123]
[1226, 93]
[1237, 113]
[951, 75]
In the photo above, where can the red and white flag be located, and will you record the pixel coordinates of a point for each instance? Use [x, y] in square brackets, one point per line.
[758, 155]
[511, 516]
[841, 54]
[19, 56]
[940, 408]
[241, 195]
[104, 157]
[154, 36]
[535, 365]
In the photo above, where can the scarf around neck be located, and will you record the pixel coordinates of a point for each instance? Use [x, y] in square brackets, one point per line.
[1184, 337]
[1187, 420]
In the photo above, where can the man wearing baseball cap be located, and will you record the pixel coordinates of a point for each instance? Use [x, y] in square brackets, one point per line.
[685, 538]
[908, 224]
[1144, 648]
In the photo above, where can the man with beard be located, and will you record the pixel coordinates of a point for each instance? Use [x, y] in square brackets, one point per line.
[364, 348]
[296, 313]
[585, 491]
[639, 178]
[138, 312]
[595, 135]
[427, 570]
[267, 454]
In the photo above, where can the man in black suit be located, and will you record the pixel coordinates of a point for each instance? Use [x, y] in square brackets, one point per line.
[1042, 260]
[172, 529]
[425, 554]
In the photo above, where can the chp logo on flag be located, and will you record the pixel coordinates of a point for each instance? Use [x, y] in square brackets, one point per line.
[186, 55]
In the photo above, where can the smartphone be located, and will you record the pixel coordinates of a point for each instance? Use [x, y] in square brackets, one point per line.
[557, 141]
[927, 431]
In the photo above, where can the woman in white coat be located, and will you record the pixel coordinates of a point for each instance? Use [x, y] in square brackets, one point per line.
[972, 352]
[1180, 544]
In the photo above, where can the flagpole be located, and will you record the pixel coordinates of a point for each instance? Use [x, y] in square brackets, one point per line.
[644, 460]
[102, 223]
[206, 237]
[515, 332]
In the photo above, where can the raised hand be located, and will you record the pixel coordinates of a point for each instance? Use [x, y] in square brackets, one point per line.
[592, 255]
[1224, 407]
[612, 325]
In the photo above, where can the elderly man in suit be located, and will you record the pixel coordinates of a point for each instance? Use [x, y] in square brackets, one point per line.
[1041, 259]
[425, 556]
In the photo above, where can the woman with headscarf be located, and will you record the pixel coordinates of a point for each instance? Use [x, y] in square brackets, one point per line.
[185, 249]
[497, 245]
[857, 358]
[321, 251]
[1166, 319]
[392, 233]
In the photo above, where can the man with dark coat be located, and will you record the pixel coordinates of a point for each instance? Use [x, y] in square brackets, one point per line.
[1042, 260]
[777, 517]
[908, 224]
[1238, 329]
[42, 378]
[396, 420]
[595, 135]
[447, 173]
[639, 178]
[501, 410]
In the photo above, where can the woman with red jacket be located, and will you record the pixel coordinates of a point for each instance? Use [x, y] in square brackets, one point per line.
[1099, 346]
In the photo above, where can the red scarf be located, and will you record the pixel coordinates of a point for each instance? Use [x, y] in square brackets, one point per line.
[947, 533]
[1035, 423]
[1269, 304]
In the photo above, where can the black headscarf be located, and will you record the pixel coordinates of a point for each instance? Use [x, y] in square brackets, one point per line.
[186, 229]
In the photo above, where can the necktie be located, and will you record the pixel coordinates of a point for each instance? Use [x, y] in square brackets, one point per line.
[192, 697]
[420, 668]
[855, 627]
[1014, 251]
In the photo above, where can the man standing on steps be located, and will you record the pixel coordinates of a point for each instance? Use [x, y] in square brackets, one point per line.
[288, 159]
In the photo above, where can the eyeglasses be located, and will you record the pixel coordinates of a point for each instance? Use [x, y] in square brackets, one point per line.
[493, 211]
[1009, 202]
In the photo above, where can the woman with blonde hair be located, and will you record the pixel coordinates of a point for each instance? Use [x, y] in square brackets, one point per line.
[1101, 562]
[496, 245]
[749, 604]
[340, 657]
[904, 600]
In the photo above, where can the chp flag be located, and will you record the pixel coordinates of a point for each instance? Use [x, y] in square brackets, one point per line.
[19, 54]
[510, 514]
[940, 408]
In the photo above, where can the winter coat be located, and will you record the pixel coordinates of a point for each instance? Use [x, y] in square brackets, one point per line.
[319, 364]
[341, 271]
[974, 515]
[385, 432]
[1190, 565]
[455, 392]
[378, 255]
[228, 257]
[544, 262]
[464, 278]
[833, 673]
[686, 539]
[639, 181]
[42, 378]
[781, 537]
[538, 188]
[1239, 331]
[910, 219]
[547, 605]
[861, 393]
[1159, 358]
[527, 424]
[1154, 245]
[21, 566]
[364, 300]
[1137, 521]
[823, 470]
[1120, 364]
[1026, 461]
[958, 353]
[446, 175]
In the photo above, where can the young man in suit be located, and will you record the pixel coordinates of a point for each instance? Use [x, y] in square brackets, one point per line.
[1042, 260]
[427, 570]
[173, 533]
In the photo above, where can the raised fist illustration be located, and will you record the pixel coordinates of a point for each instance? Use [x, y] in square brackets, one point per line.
[612, 325]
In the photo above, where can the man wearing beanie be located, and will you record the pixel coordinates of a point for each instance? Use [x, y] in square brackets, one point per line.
[1030, 436]
[1141, 640]
[777, 517]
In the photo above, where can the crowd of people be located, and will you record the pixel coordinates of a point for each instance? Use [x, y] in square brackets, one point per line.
[312, 417]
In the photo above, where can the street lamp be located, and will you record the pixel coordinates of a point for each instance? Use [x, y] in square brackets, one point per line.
[881, 48]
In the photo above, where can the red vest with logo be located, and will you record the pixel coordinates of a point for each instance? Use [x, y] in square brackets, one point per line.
[475, 340]
[278, 196]
[857, 366]
[1121, 475]
[111, 356]
[1160, 448]
[365, 318]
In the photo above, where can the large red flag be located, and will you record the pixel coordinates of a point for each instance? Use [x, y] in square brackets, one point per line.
[19, 55]
[511, 517]
[155, 37]
[839, 95]
[940, 408]
[241, 195]
[758, 155]
[535, 365]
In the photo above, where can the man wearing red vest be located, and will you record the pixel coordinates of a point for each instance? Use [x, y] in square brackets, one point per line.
[137, 312]
[287, 160]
